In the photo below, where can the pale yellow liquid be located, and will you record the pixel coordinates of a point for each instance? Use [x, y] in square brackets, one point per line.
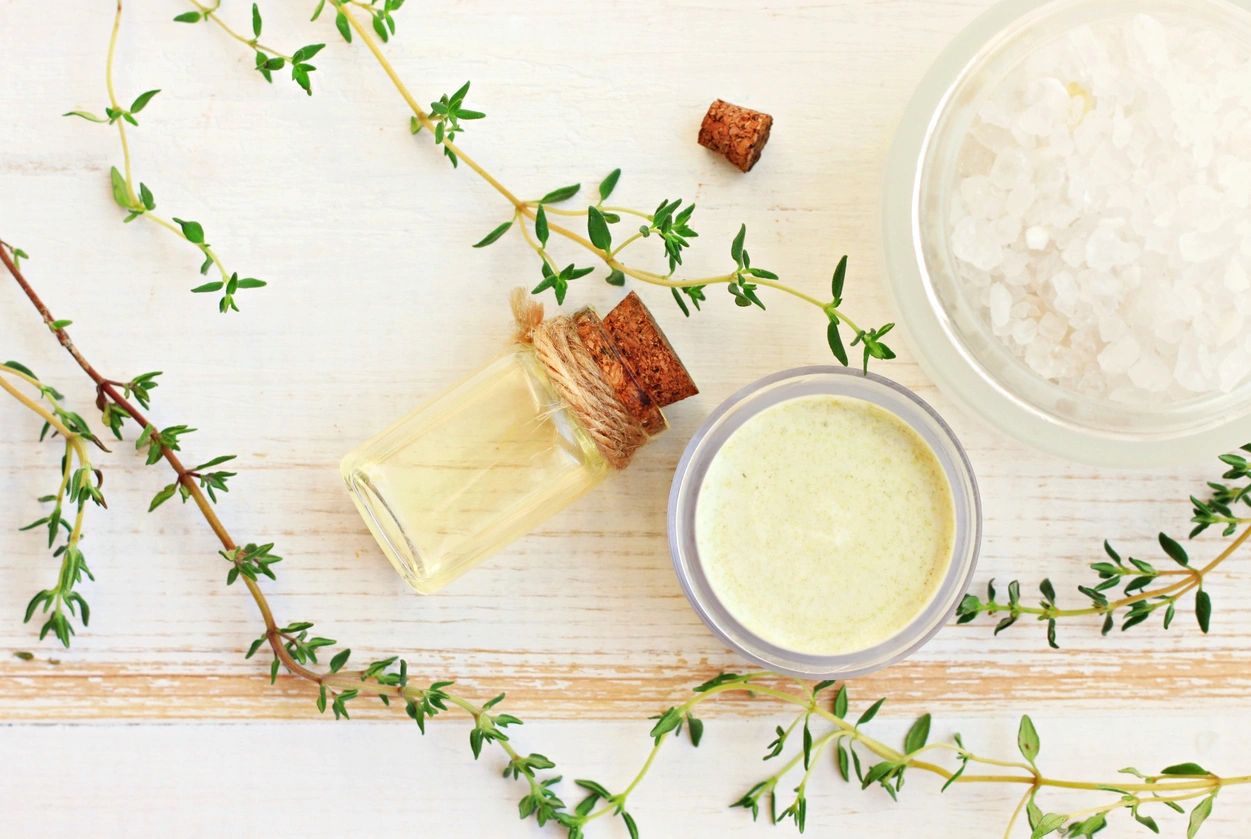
[471, 471]
[825, 525]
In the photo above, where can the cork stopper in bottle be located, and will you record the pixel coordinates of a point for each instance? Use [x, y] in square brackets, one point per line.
[648, 352]
[636, 359]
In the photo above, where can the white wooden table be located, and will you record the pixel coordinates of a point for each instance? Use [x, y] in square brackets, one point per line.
[154, 724]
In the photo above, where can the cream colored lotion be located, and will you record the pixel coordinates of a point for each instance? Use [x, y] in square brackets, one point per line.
[825, 525]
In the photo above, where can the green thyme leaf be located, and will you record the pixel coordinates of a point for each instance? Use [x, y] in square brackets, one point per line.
[494, 235]
[609, 183]
[562, 194]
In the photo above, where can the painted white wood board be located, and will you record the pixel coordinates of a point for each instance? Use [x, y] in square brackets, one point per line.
[375, 301]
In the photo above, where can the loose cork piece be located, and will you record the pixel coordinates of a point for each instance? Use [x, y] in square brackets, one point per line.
[648, 353]
[738, 133]
[629, 390]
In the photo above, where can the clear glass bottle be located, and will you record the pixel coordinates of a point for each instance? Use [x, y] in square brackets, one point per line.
[494, 456]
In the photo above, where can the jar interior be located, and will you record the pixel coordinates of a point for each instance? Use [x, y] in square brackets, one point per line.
[941, 167]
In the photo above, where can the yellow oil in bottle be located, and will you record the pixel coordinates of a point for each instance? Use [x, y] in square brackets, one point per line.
[499, 453]
[471, 471]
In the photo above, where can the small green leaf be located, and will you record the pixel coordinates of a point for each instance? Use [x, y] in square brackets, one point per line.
[871, 713]
[840, 754]
[340, 659]
[836, 284]
[162, 496]
[540, 226]
[87, 115]
[120, 193]
[1203, 610]
[1027, 739]
[1198, 816]
[917, 735]
[695, 728]
[145, 195]
[192, 230]
[188, 17]
[494, 235]
[142, 100]
[562, 194]
[597, 228]
[1049, 823]
[1175, 551]
[840, 702]
[615, 277]
[256, 21]
[736, 247]
[341, 23]
[1185, 769]
[835, 339]
[609, 183]
[216, 285]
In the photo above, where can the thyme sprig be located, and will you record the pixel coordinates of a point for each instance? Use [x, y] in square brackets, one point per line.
[823, 716]
[79, 483]
[137, 198]
[268, 59]
[1145, 588]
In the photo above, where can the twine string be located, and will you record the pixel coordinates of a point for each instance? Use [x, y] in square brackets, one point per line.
[579, 380]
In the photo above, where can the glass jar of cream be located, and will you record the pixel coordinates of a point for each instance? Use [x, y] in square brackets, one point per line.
[824, 523]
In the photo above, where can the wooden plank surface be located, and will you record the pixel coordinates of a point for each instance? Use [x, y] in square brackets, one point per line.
[376, 300]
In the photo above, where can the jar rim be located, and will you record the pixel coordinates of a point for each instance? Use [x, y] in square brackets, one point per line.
[837, 381]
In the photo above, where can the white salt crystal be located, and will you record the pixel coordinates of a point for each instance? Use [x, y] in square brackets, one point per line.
[1150, 373]
[975, 242]
[1233, 369]
[1196, 246]
[1012, 168]
[1236, 279]
[1024, 331]
[1104, 249]
[1000, 304]
[1103, 221]
[1152, 38]
[1120, 355]
[1052, 327]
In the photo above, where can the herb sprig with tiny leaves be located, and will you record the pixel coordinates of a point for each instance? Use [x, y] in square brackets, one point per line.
[79, 483]
[1146, 588]
[823, 718]
[268, 59]
[137, 199]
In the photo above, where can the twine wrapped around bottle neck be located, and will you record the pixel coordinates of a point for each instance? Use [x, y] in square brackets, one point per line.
[579, 380]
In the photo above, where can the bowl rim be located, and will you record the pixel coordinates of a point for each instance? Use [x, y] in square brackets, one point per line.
[942, 355]
[962, 479]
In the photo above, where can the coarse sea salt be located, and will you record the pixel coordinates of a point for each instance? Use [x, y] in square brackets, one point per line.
[1101, 223]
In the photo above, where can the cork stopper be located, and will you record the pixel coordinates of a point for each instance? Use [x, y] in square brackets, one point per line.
[648, 352]
[738, 133]
[636, 360]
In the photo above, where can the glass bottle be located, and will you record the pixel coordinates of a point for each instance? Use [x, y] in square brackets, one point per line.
[511, 445]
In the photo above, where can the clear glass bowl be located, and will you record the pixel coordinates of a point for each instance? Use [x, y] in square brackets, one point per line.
[837, 381]
[953, 343]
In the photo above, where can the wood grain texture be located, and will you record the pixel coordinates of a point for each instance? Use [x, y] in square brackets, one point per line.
[376, 300]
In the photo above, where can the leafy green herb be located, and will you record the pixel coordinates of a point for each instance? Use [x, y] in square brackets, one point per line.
[136, 198]
[1147, 588]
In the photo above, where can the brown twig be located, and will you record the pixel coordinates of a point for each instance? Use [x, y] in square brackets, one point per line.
[186, 478]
